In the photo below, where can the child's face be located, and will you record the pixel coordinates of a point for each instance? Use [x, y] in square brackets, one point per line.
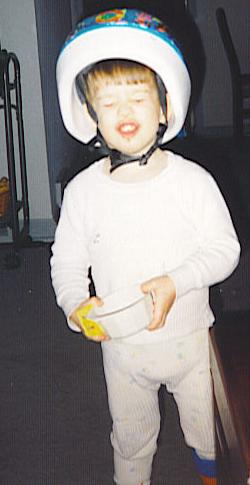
[128, 115]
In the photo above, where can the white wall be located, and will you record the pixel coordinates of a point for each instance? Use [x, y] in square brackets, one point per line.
[18, 34]
[215, 109]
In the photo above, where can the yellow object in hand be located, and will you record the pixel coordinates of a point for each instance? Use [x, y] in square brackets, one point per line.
[90, 327]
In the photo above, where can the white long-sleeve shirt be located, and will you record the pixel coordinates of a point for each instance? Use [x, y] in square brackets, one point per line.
[176, 223]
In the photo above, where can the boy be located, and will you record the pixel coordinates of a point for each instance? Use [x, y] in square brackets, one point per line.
[141, 215]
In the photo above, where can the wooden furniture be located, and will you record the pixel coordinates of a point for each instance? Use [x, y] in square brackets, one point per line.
[230, 364]
[240, 81]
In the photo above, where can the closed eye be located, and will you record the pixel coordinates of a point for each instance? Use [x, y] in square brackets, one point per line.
[139, 100]
[108, 104]
[140, 97]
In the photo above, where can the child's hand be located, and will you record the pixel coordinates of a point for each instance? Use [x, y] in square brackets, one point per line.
[93, 301]
[163, 294]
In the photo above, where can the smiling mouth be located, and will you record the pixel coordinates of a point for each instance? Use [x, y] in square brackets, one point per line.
[127, 129]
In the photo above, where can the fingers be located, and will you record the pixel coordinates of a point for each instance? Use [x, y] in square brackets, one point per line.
[159, 316]
[156, 323]
[163, 294]
[95, 300]
[148, 286]
[91, 330]
[99, 339]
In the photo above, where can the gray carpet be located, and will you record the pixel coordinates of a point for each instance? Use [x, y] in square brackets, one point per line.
[55, 423]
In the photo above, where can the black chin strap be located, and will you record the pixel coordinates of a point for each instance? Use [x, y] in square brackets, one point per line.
[118, 159]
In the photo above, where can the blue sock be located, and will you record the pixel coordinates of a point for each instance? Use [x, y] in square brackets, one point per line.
[204, 466]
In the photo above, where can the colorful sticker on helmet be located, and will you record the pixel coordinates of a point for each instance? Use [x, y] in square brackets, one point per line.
[110, 16]
[124, 18]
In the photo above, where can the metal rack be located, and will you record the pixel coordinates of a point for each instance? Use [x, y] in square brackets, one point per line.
[11, 95]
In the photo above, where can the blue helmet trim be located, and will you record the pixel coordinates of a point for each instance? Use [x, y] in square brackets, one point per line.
[134, 19]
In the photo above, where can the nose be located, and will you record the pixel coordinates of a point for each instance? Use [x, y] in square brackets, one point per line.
[124, 108]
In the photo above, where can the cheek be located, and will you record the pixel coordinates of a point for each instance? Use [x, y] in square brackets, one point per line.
[152, 117]
[152, 111]
[106, 125]
[105, 118]
[107, 128]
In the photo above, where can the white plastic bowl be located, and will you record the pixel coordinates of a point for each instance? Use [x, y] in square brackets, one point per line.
[124, 312]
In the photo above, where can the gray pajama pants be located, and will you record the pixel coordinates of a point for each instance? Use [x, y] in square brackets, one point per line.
[134, 374]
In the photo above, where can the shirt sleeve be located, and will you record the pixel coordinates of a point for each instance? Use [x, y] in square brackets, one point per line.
[218, 247]
[70, 260]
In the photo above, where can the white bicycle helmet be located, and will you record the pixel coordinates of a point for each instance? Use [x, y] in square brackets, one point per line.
[121, 34]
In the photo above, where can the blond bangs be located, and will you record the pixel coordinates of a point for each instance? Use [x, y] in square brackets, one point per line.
[117, 72]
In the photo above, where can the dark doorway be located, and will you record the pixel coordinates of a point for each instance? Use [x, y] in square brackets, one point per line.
[168, 9]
